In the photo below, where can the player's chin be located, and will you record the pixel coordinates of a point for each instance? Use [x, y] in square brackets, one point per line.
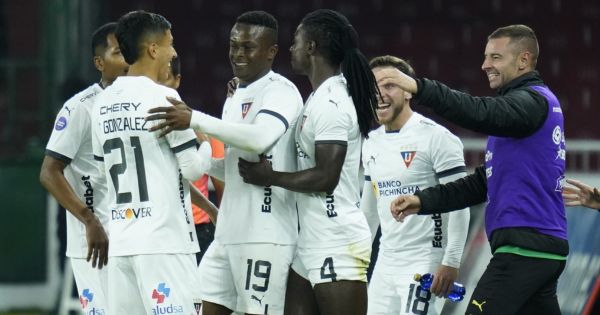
[383, 118]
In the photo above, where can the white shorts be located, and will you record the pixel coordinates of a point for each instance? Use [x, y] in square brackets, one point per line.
[247, 278]
[92, 286]
[394, 293]
[153, 284]
[321, 265]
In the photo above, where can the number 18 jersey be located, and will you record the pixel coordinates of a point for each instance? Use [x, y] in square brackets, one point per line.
[149, 206]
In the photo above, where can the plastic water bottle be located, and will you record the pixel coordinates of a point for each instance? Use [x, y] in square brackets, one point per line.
[457, 293]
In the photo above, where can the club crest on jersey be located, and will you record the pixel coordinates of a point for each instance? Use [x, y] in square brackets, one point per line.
[408, 157]
[246, 108]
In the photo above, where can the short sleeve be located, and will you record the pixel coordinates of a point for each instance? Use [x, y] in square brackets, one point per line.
[179, 140]
[71, 126]
[365, 160]
[447, 153]
[282, 101]
[331, 124]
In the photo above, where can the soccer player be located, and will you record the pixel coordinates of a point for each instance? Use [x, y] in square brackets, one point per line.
[521, 180]
[70, 174]
[406, 154]
[329, 272]
[245, 268]
[153, 241]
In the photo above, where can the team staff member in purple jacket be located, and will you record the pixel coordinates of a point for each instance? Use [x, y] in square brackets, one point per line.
[521, 179]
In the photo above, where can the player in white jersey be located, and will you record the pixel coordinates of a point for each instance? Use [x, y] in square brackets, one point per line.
[245, 269]
[334, 246]
[153, 241]
[406, 154]
[71, 175]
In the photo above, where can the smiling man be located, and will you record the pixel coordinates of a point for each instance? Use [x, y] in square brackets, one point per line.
[152, 236]
[245, 269]
[521, 179]
[429, 155]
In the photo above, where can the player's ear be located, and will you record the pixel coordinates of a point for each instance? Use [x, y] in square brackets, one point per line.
[407, 96]
[311, 47]
[99, 63]
[152, 50]
[273, 51]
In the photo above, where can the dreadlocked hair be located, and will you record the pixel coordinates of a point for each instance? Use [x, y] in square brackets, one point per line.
[337, 41]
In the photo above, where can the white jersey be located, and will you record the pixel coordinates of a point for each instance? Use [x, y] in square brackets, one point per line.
[328, 220]
[402, 163]
[149, 202]
[71, 142]
[250, 213]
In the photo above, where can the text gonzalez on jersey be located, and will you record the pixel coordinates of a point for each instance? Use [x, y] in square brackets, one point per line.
[119, 124]
[137, 123]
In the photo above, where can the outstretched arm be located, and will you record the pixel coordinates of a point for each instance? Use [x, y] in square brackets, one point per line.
[256, 137]
[53, 179]
[518, 114]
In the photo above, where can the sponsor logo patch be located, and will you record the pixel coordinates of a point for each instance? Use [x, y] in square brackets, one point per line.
[61, 123]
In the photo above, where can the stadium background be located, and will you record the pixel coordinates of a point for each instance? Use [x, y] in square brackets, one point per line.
[45, 57]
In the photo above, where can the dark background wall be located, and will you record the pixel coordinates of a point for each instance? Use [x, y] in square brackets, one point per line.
[45, 54]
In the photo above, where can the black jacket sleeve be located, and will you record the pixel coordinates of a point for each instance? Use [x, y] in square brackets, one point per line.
[518, 113]
[461, 193]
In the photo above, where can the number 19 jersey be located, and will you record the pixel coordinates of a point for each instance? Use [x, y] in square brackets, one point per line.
[149, 206]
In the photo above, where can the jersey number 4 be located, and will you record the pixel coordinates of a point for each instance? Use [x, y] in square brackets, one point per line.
[120, 168]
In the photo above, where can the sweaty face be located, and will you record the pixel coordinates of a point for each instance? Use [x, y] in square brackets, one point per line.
[299, 52]
[251, 51]
[500, 62]
[394, 100]
[113, 61]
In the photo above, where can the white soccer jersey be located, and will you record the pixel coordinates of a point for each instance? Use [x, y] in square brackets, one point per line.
[328, 220]
[250, 213]
[402, 163]
[149, 202]
[71, 142]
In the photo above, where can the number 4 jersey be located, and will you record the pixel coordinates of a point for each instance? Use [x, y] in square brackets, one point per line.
[149, 205]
